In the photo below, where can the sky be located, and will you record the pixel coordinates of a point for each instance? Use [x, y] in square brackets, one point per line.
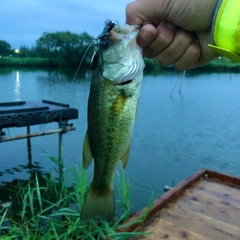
[24, 21]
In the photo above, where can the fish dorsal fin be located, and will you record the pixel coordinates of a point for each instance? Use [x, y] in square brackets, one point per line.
[124, 158]
[86, 152]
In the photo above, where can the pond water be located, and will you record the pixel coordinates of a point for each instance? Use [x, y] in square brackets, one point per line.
[173, 136]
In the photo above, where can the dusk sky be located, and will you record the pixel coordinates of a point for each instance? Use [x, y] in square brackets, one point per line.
[23, 22]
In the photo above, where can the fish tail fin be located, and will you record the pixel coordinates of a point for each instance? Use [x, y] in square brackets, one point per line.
[98, 205]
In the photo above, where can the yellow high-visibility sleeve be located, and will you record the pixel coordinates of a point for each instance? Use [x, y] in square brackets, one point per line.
[226, 29]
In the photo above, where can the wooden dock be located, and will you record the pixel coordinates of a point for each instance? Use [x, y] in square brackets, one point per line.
[204, 206]
[28, 113]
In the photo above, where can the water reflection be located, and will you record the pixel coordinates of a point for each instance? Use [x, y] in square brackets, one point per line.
[17, 87]
[173, 136]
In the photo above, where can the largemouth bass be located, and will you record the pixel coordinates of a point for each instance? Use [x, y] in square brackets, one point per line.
[112, 105]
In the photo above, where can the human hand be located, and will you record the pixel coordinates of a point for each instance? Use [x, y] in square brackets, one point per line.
[175, 31]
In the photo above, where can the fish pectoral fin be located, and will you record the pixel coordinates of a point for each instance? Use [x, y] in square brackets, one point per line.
[136, 110]
[125, 156]
[86, 152]
[98, 205]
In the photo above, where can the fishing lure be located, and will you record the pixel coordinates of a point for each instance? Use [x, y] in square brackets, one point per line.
[102, 41]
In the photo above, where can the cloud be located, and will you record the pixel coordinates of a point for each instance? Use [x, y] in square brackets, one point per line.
[23, 22]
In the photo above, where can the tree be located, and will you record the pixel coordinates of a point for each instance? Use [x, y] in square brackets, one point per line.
[63, 47]
[25, 52]
[5, 48]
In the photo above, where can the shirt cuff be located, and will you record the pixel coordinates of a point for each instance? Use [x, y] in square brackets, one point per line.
[226, 29]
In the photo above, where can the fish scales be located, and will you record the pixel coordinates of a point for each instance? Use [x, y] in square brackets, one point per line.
[116, 127]
[112, 106]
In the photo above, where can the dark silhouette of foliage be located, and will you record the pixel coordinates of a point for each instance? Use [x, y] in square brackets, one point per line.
[63, 47]
[5, 48]
[26, 52]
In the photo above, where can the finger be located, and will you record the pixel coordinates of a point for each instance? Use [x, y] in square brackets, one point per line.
[146, 35]
[165, 33]
[190, 57]
[139, 11]
[175, 50]
[207, 54]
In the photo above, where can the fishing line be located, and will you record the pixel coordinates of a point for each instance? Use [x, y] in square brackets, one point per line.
[73, 80]
[82, 60]
[78, 68]
[29, 170]
[44, 127]
[176, 83]
[22, 170]
[182, 75]
[66, 100]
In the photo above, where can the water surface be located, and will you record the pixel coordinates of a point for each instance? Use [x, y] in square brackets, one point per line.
[173, 136]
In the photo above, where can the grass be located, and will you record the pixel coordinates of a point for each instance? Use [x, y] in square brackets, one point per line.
[223, 63]
[124, 192]
[24, 62]
[220, 64]
[152, 66]
[46, 209]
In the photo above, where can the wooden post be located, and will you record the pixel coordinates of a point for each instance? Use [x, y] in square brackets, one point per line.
[29, 147]
[60, 160]
[62, 125]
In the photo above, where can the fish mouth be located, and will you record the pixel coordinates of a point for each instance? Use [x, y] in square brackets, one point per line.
[124, 83]
[119, 33]
[122, 60]
[126, 29]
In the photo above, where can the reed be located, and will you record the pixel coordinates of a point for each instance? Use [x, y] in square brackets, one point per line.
[25, 62]
[50, 210]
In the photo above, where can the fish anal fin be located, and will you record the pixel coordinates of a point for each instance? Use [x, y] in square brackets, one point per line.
[125, 156]
[86, 152]
[98, 205]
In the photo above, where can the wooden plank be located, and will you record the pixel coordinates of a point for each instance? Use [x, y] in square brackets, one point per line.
[225, 178]
[165, 199]
[37, 134]
[225, 199]
[200, 223]
[166, 230]
[209, 207]
[230, 184]
[218, 192]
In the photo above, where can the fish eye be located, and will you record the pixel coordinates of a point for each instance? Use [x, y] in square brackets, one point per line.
[107, 42]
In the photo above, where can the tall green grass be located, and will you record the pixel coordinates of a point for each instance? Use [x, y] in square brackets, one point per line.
[50, 210]
[152, 66]
[25, 62]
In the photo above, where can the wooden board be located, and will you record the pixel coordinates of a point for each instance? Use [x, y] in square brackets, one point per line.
[219, 192]
[204, 206]
[200, 223]
[209, 207]
[167, 230]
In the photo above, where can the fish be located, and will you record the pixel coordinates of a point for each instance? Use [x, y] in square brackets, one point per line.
[112, 107]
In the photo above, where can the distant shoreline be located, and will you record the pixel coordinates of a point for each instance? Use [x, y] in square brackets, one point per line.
[220, 64]
[152, 66]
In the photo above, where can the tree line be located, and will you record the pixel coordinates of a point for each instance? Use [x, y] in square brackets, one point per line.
[61, 48]
[56, 49]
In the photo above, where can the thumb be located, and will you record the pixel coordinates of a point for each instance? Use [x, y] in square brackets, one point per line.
[141, 11]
